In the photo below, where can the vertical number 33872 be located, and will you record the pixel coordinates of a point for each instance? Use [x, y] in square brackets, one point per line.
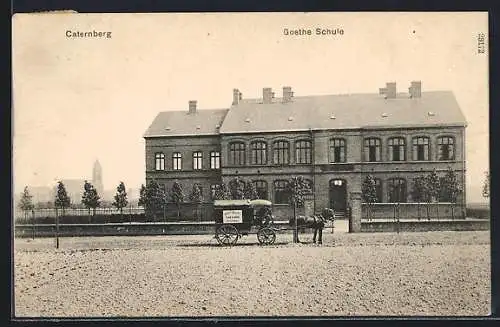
[481, 48]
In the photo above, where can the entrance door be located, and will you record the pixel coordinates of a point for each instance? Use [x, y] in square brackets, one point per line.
[338, 195]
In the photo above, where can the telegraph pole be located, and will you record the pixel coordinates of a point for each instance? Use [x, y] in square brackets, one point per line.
[57, 230]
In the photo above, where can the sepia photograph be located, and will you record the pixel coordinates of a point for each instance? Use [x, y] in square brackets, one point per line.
[208, 165]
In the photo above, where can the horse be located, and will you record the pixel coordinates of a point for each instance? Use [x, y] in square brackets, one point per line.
[316, 222]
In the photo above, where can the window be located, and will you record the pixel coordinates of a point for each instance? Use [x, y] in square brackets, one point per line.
[281, 152]
[197, 160]
[396, 190]
[237, 154]
[159, 161]
[261, 188]
[397, 149]
[372, 149]
[177, 161]
[214, 160]
[337, 150]
[280, 192]
[421, 148]
[163, 188]
[213, 190]
[303, 152]
[308, 195]
[258, 152]
[446, 148]
[378, 190]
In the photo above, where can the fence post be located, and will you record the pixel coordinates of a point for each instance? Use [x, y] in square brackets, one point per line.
[33, 222]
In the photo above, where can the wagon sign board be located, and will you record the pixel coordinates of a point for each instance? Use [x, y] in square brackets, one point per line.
[232, 216]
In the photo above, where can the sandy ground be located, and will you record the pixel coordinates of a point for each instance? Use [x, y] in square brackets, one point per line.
[433, 273]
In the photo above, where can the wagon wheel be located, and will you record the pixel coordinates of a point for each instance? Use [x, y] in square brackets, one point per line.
[266, 236]
[227, 235]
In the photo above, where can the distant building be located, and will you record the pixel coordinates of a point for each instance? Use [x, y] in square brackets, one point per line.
[75, 187]
[334, 141]
[97, 177]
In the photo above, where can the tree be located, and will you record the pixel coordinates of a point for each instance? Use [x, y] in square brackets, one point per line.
[369, 193]
[154, 199]
[221, 192]
[90, 198]
[237, 188]
[142, 197]
[433, 190]
[419, 192]
[450, 188]
[177, 196]
[120, 198]
[62, 202]
[296, 188]
[486, 185]
[250, 192]
[196, 197]
[26, 203]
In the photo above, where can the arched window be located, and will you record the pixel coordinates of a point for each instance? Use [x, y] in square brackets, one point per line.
[237, 154]
[258, 153]
[177, 161]
[446, 148]
[308, 195]
[372, 149]
[337, 150]
[281, 152]
[159, 161]
[213, 190]
[261, 188]
[280, 192]
[303, 152]
[420, 148]
[397, 149]
[396, 190]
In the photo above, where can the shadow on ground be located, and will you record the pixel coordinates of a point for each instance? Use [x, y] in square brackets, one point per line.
[248, 244]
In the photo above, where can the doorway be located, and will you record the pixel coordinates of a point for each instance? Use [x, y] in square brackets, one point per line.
[338, 195]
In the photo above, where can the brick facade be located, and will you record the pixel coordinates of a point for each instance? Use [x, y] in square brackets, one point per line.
[352, 172]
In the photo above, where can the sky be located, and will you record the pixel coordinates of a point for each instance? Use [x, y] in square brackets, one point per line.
[76, 100]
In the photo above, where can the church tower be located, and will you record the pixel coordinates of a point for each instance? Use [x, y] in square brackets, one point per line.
[97, 178]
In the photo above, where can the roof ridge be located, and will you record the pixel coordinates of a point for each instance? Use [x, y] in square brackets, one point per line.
[197, 110]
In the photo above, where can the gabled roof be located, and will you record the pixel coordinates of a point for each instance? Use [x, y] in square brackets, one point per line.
[352, 111]
[182, 123]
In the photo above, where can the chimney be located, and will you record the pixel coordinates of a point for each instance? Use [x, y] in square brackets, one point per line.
[389, 91]
[287, 94]
[237, 96]
[267, 95]
[415, 89]
[192, 107]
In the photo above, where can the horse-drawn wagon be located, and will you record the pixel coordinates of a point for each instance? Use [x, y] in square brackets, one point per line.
[235, 218]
